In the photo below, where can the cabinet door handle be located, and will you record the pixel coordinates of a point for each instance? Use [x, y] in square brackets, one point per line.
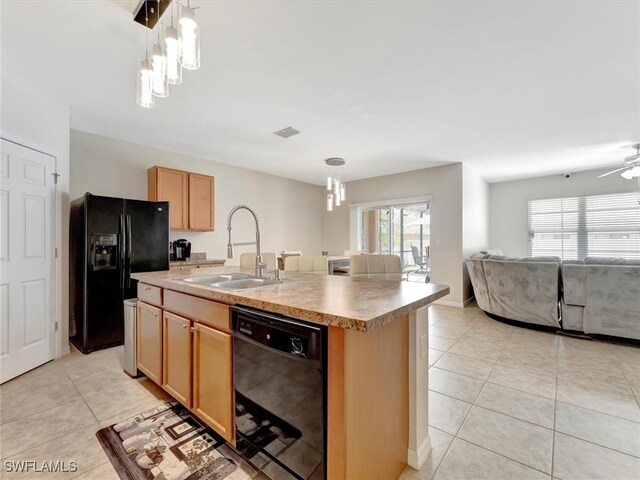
[185, 325]
[146, 289]
[192, 329]
[155, 314]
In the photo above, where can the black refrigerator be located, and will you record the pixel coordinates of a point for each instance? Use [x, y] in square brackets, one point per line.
[110, 238]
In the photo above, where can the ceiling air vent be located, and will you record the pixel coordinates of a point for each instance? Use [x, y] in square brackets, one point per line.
[287, 132]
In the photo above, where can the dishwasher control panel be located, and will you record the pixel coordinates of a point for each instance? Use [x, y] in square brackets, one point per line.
[275, 338]
[284, 335]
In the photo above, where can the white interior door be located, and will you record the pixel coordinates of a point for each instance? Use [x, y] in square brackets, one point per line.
[27, 264]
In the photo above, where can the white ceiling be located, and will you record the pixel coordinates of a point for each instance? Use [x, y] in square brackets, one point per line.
[516, 89]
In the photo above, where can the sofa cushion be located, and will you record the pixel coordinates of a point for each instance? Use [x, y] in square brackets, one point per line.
[614, 286]
[612, 321]
[499, 257]
[574, 283]
[549, 259]
[572, 317]
[475, 268]
[523, 291]
[611, 261]
[492, 251]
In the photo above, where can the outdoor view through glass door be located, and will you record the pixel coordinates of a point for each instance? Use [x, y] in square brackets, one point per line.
[401, 230]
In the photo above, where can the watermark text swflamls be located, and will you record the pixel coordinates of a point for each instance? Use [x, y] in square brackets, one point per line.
[34, 466]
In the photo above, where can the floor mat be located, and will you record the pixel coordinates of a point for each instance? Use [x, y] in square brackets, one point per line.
[169, 443]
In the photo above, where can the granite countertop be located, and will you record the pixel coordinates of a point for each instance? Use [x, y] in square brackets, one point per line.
[353, 303]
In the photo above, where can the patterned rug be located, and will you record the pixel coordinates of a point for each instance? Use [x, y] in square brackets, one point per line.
[169, 443]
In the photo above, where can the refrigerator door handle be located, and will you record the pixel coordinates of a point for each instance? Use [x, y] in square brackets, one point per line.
[122, 251]
[128, 253]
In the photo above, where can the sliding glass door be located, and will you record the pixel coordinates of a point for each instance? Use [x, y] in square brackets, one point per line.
[401, 230]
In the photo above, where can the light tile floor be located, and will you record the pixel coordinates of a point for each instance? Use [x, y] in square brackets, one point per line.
[505, 403]
[52, 413]
[513, 403]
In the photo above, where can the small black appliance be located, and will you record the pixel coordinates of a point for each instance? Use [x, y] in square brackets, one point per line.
[182, 249]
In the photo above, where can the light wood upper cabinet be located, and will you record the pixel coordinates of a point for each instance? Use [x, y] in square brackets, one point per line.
[149, 341]
[176, 372]
[190, 196]
[201, 199]
[212, 379]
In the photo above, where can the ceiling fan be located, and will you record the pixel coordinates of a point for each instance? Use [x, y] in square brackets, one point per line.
[631, 168]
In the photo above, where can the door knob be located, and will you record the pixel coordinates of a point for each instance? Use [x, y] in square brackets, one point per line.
[185, 325]
[192, 329]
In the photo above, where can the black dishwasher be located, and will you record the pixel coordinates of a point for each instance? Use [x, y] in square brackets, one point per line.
[280, 393]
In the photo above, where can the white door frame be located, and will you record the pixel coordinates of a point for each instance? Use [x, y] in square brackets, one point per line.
[61, 347]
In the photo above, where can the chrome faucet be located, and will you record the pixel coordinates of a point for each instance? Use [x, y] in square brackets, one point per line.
[259, 265]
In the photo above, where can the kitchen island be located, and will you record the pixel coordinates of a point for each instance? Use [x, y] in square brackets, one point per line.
[376, 373]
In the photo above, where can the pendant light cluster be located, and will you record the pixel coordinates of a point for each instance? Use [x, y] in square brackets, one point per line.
[177, 47]
[336, 189]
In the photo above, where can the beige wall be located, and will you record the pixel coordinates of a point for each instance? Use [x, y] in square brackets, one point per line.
[290, 212]
[475, 223]
[35, 120]
[444, 186]
[509, 214]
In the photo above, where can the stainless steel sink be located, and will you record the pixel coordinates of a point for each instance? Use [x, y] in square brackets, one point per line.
[246, 283]
[211, 279]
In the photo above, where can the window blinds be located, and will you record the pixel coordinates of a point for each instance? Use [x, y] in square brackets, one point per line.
[577, 227]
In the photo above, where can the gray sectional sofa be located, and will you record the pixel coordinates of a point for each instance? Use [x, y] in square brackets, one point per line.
[592, 296]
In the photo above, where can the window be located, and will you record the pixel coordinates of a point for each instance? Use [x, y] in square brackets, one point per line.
[577, 227]
[395, 229]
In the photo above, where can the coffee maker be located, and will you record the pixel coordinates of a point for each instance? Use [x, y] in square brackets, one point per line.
[182, 249]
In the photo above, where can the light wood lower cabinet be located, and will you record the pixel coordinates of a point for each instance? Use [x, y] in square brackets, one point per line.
[212, 382]
[149, 341]
[189, 359]
[176, 372]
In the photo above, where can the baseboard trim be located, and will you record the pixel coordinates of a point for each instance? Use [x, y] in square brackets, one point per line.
[416, 459]
[447, 303]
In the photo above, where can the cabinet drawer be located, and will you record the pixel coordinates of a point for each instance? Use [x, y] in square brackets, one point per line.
[207, 312]
[150, 294]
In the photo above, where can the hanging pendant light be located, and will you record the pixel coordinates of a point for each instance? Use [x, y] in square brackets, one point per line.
[178, 47]
[329, 202]
[144, 83]
[159, 67]
[189, 37]
[171, 51]
[336, 188]
[144, 96]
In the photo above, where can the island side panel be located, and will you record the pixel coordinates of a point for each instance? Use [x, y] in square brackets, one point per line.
[336, 431]
[374, 422]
